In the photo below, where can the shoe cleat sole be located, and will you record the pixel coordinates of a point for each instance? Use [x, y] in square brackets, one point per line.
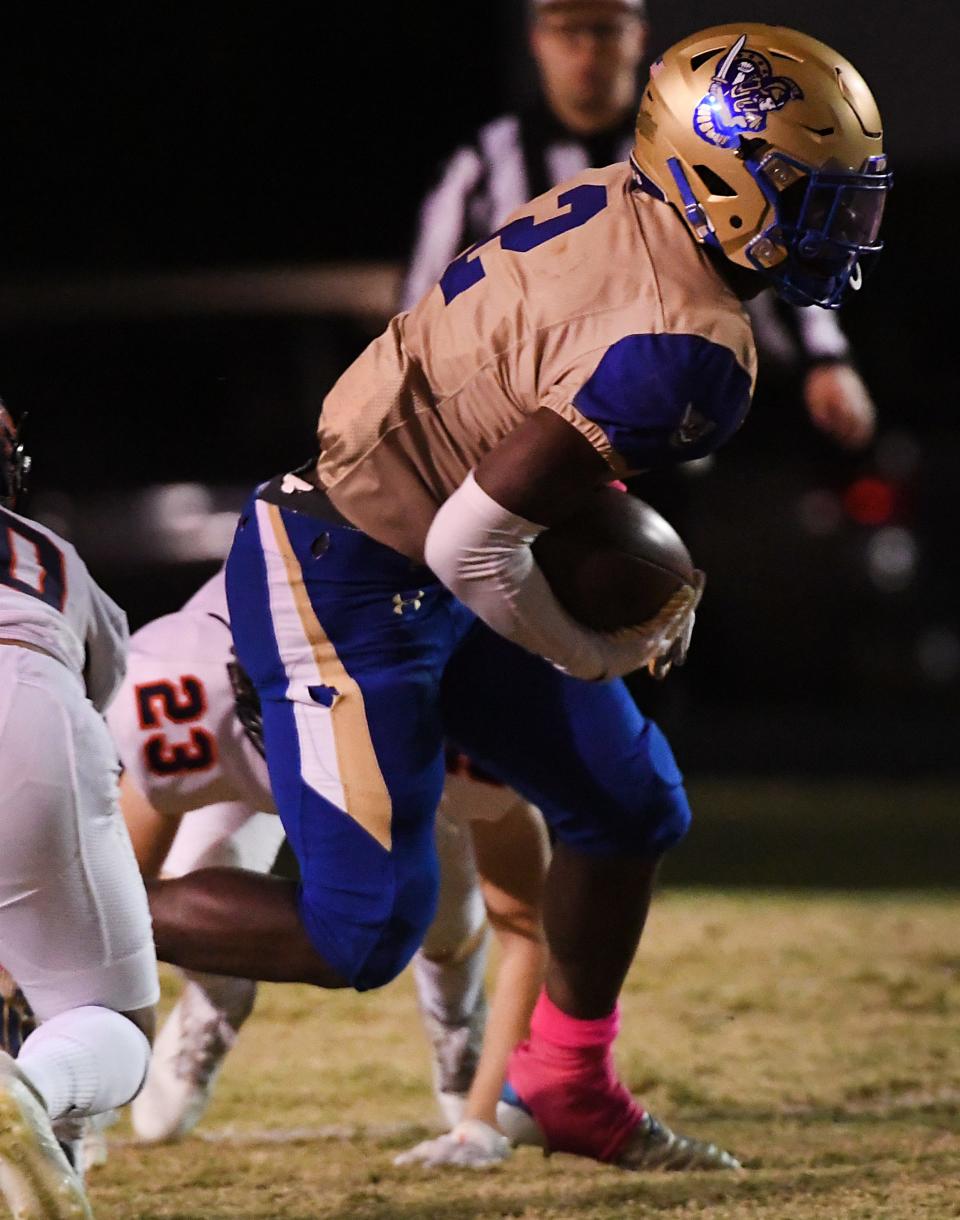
[35, 1177]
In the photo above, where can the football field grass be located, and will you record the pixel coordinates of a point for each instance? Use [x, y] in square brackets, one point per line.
[816, 1035]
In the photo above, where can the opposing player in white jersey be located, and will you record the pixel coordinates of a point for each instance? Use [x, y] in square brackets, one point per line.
[195, 778]
[74, 924]
[191, 773]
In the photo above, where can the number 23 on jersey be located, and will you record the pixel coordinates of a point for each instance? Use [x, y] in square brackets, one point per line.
[160, 703]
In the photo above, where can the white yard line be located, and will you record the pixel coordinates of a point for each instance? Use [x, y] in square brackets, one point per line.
[334, 1133]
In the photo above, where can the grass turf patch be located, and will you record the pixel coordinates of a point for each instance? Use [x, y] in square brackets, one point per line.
[815, 1035]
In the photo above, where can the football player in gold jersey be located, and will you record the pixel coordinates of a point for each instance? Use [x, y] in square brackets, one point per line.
[387, 597]
[583, 112]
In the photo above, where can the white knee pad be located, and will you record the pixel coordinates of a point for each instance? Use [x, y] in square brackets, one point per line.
[86, 1060]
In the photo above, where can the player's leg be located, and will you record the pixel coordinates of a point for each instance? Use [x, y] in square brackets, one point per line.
[203, 1025]
[511, 857]
[346, 643]
[74, 927]
[606, 781]
[512, 860]
[151, 835]
[449, 967]
[607, 784]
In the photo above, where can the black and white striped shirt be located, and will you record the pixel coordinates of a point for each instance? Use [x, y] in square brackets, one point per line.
[519, 156]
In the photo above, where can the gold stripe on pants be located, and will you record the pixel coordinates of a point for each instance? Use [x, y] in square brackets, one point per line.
[366, 797]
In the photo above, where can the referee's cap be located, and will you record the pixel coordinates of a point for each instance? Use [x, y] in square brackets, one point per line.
[638, 8]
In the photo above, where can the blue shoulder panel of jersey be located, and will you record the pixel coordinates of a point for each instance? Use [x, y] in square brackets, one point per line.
[666, 398]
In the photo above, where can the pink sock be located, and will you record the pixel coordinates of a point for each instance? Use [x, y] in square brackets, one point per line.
[552, 1023]
[564, 1075]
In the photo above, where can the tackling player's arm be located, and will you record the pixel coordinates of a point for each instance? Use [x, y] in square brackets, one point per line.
[479, 545]
[151, 832]
[106, 645]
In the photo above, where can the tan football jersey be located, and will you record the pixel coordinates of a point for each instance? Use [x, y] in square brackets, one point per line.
[592, 301]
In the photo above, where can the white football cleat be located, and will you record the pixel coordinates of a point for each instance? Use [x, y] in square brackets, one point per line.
[187, 1057]
[36, 1179]
[472, 1144]
[518, 1124]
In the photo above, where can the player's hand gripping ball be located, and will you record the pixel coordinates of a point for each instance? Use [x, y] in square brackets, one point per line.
[618, 564]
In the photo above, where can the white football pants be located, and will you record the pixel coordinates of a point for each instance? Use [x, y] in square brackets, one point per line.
[74, 922]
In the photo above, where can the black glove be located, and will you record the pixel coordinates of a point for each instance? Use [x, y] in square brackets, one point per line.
[246, 702]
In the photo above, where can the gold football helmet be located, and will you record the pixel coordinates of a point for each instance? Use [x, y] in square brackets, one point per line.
[769, 145]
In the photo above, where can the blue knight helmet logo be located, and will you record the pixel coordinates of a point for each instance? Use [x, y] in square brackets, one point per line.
[742, 93]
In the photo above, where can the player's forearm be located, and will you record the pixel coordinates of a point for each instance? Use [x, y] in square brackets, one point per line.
[151, 832]
[519, 979]
[481, 552]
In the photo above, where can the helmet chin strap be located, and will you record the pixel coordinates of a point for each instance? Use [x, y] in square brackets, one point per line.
[17, 464]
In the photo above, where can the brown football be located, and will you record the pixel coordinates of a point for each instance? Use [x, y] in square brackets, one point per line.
[615, 563]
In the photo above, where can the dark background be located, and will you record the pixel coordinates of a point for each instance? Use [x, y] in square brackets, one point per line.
[254, 135]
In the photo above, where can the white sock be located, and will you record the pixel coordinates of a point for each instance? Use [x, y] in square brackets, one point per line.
[85, 1061]
[451, 991]
[232, 998]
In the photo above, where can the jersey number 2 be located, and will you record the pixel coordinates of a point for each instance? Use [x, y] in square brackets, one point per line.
[524, 234]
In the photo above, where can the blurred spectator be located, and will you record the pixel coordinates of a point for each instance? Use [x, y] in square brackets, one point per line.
[587, 54]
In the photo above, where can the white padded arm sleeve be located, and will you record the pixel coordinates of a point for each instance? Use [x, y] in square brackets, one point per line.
[481, 552]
